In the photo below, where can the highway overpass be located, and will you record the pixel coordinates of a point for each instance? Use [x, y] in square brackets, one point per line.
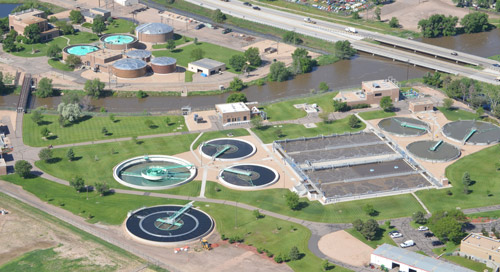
[335, 32]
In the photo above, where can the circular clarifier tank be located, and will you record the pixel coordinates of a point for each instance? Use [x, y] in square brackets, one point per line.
[154, 172]
[434, 151]
[472, 132]
[248, 176]
[169, 224]
[403, 126]
[80, 49]
[119, 41]
[227, 149]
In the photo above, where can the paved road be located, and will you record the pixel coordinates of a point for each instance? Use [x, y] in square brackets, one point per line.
[335, 32]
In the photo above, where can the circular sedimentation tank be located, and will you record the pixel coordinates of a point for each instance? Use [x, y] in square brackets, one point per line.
[154, 172]
[80, 49]
[248, 176]
[433, 151]
[403, 126]
[129, 68]
[119, 41]
[163, 225]
[154, 32]
[140, 54]
[472, 132]
[227, 149]
[164, 65]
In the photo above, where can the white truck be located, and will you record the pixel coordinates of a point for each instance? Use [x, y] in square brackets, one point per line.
[351, 29]
[308, 20]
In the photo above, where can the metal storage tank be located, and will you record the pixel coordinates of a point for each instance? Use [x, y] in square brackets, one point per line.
[164, 65]
[129, 68]
[144, 55]
[154, 32]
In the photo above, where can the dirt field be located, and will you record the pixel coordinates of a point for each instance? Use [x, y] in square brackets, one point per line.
[22, 231]
[344, 247]
[409, 12]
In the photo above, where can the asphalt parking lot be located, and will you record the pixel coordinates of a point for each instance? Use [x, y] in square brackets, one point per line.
[422, 243]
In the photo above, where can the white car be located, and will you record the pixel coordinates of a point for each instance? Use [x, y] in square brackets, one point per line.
[408, 243]
[395, 234]
[423, 228]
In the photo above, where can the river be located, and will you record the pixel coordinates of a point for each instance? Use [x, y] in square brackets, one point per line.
[5, 9]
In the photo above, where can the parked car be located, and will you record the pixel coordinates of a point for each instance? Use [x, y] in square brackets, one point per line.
[423, 228]
[408, 243]
[454, 53]
[200, 26]
[256, 8]
[437, 243]
[395, 234]
[247, 4]
[428, 234]
[226, 30]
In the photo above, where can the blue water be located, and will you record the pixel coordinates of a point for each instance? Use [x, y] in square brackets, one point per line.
[82, 50]
[118, 39]
[5, 9]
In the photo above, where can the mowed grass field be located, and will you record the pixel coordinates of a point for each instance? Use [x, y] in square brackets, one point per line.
[120, 26]
[268, 134]
[485, 190]
[370, 115]
[455, 114]
[286, 111]
[212, 51]
[343, 212]
[90, 128]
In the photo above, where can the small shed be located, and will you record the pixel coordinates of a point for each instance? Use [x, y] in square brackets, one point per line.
[206, 66]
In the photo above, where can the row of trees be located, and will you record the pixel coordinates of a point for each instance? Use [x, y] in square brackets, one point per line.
[250, 57]
[440, 25]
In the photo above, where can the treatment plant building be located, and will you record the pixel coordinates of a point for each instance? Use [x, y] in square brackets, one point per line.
[371, 93]
[206, 66]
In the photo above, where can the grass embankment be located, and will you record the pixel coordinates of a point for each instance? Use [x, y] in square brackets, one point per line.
[212, 51]
[188, 76]
[178, 39]
[476, 266]
[381, 238]
[455, 114]
[40, 49]
[268, 134]
[484, 191]
[370, 115]
[120, 26]
[286, 111]
[90, 128]
[56, 63]
[495, 57]
[343, 212]
[275, 235]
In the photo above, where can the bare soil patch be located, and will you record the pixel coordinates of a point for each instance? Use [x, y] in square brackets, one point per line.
[346, 248]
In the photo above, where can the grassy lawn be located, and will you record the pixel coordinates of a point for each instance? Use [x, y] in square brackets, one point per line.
[179, 39]
[59, 65]
[286, 111]
[343, 212]
[90, 128]
[110, 154]
[382, 237]
[268, 134]
[370, 115]
[448, 248]
[212, 51]
[481, 167]
[188, 76]
[495, 57]
[476, 266]
[455, 114]
[120, 26]
[491, 214]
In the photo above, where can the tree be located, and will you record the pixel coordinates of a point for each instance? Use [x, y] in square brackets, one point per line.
[76, 17]
[9, 44]
[466, 179]
[149, 123]
[78, 183]
[291, 37]
[36, 116]
[480, 112]
[433, 79]
[101, 187]
[378, 12]
[197, 54]
[61, 120]
[292, 200]
[44, 88]
[98, 26]
[218, 16]
[369, 230]
[53, 51]
[94, 87]
[73, 61]
[171, 45]
[475, 22]
[23, 168]
[419, 218]
[386, 103]
[70, 112]
[167, 121]
[326, 265]
[438, 25]
[340, 106]
[257, 214]
[237, 62]
[448, 225]
[294, 254]
[448, 103]
[357, 224]
[355, 15]
[70, 154]
[112, 117]
[278, 72]
[353, 121]
[301, 61]
[195, 41]
[104, 131]
[279, 133]
[323, 86]
[65, 27]
[236, 85]
[45, 132]
[257, 122]
[32, 34]
[344, 50]
[252, 56]
[394, 22]
[236, 97]
[369, 210]
[45, 154]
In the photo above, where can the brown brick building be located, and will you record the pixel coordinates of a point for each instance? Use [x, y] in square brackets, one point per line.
[481, 248]
[20, 20]
[233, 113]
[371, 93]
[421, 105]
